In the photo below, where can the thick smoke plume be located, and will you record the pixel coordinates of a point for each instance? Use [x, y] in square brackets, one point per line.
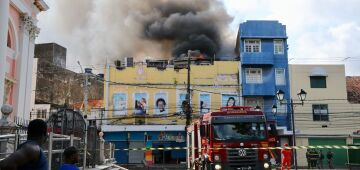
[142, 28]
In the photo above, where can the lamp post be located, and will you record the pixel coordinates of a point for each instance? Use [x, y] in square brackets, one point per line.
[257, 108]
[274, 109]
[280, 96]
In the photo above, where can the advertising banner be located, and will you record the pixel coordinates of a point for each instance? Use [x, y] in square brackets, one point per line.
[140, 103]
[161, 106]
[120, 104]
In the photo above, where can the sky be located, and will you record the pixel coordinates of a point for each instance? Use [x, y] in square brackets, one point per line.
[319, 31]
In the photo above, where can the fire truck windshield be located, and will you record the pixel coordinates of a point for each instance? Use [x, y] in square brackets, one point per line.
[239, 131]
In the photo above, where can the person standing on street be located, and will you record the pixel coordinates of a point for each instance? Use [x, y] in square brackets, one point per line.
[330, 158]
[71, 156]
[320, 161]
[286, 157]
[29, 155]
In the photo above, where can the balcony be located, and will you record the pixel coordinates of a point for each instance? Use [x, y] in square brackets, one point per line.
[263, 58]
[264, 89]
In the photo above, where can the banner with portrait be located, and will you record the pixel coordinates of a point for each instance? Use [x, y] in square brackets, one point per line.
[229, 100]
[161, 104]
[140, 103]
[119, 104]
[180, 98]
[204, 103]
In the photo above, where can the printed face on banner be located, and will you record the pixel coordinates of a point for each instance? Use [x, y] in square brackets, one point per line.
[119, 107]
[204, 103]
[180, 99]
[161, 103]
[229, 100]
[140, 103]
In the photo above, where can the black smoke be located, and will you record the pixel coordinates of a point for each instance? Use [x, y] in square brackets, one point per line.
[189, 24]
[143, 29]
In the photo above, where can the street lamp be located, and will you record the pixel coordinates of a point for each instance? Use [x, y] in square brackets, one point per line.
[274, 109]
[302, 96]
[258, 108]
[280, 96]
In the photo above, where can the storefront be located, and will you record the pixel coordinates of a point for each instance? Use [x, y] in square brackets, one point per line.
[150, 137]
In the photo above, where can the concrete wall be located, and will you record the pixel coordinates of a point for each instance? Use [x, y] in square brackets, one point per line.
[56, 85]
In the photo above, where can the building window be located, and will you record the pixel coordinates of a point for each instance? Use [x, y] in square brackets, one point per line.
[278, 47]
[255, 101]
[252, 46]
[280, 76]
[43, 114]
[8, 40]
[320, 112]
[317, 81]
[253, 75]
[281, 108]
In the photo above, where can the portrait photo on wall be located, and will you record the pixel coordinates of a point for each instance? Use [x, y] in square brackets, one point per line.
[204, 103]
[119, 104]
[181, 97]
[140, 103]
[161, 103]
[229, 100]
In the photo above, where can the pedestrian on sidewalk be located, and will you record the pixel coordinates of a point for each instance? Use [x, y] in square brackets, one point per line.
[71, 157]
[29, 155]
[320, 161]
[330, 158]
[286, 157]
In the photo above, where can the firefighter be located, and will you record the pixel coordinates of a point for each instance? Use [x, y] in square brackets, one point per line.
[286, 157]
[320, 161]
[308, 158]
[314, 156]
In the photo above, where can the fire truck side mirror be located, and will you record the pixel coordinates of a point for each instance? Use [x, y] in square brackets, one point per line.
[202, 130]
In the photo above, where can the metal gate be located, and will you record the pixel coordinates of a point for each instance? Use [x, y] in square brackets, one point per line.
[136, 157]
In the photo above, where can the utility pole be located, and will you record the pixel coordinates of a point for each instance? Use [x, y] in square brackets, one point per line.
[293, 131]
[86, 84]
[188, 107]
[86, 92]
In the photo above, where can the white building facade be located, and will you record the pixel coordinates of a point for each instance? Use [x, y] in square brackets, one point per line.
[327, 117]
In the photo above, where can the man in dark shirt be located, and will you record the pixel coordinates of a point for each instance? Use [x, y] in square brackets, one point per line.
[330, 157]
[29, 154]
[72, 157]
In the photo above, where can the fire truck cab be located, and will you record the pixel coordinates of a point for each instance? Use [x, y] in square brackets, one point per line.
[228, 139]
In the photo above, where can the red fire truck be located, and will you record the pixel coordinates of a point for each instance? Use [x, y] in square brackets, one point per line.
[224, 140]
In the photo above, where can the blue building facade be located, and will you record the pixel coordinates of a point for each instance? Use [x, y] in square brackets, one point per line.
[263, 51]
[147, 136]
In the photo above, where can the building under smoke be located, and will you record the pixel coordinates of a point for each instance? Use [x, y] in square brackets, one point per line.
[161, 29]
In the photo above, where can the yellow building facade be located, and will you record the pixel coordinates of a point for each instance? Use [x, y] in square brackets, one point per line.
[148, 95]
